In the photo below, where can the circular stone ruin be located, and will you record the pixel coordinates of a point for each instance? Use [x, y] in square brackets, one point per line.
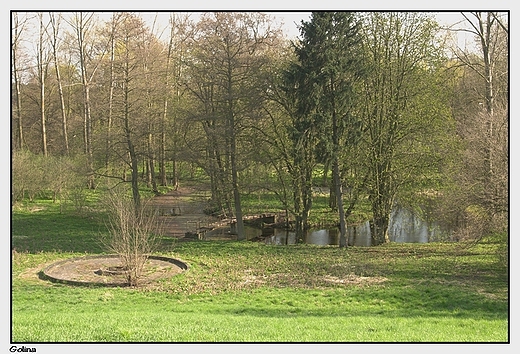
[107, 270]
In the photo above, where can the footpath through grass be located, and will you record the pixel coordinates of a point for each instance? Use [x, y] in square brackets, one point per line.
[251, 292]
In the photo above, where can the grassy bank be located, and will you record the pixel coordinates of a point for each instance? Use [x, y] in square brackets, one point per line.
[251, 292]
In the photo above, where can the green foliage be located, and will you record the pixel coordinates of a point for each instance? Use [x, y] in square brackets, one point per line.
[258, 203]
[407, 123]
[330, 57]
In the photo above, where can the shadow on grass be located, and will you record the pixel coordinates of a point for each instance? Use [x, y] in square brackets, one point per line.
[49, 232]
[426, 301]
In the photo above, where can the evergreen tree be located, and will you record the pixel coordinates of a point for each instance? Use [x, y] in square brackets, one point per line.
[330, 60]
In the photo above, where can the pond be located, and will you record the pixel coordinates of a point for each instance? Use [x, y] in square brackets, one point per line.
[323, 237]
[316, 237]
[404, 227]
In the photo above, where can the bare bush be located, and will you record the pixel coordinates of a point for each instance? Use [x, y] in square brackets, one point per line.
[473, 225]
[27, 175]
[134, 234]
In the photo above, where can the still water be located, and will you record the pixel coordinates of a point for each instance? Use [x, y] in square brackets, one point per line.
[285, 237]
[315, 237]
[273, 236]
[405, 226]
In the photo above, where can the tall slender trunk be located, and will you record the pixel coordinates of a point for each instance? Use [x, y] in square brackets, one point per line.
[18, 110]
[108, 141]
[236, 192]
[42, 117]
[234, 179]
[485, 41]
[302, 196]
[151, 164]
[132, 154]
[339, 198]
[87, 120]
[162, 147]
[382, 202]
[18, 114]
[88, 134]
[64, 125]
[42, 73]
[231, 135]
[336, 174]
[301, 211]
[135, 174]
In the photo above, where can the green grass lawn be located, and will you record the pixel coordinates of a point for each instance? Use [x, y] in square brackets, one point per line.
[251, 292]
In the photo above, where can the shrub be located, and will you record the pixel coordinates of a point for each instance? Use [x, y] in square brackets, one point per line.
[133, 233]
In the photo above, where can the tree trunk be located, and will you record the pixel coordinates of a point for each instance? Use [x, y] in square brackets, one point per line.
[379, 229]
[162, 156]
[335, 170]
[236, 193]
[42, 117]
[162, 149]
[333, 200]
[87, 119]
[485, 41]
[88, 136]
[16, 36]
[151, 164]
[108, 142]
[64, 124]
[42, 73]
[339, 198]
[302, 212]
[133, 164]
[18, 110]
[55, 29]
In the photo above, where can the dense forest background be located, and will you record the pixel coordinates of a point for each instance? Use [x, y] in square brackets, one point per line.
[380, 107]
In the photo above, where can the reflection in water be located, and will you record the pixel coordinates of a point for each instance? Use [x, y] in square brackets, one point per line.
[281, 237]
[358, 235]
[273, 236]
[322, 237]
[315, 237]
[404, 226]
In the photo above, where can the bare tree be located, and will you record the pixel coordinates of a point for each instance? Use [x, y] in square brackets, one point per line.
[113, 25]
[231, 52]
[18, 29]
[181, 30]
[55, 28]
[83, 24]
[137, 106]
[481, 110]
[42, 68]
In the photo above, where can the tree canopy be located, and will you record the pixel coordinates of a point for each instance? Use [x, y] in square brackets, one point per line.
[374, 100]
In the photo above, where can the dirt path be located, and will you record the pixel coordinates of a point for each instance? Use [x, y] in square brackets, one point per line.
[182, 210]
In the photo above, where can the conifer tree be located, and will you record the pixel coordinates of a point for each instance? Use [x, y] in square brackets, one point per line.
[330, 60]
